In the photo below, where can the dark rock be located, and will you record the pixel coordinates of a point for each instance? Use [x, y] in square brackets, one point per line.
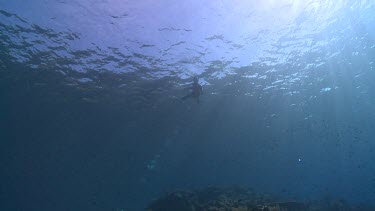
[240, 199]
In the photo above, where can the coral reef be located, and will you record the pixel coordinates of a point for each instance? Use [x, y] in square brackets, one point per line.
[240, 199]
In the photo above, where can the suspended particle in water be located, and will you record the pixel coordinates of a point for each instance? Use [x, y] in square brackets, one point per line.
[151, 165]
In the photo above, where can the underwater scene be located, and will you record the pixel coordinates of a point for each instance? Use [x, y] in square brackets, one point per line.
[187, 105]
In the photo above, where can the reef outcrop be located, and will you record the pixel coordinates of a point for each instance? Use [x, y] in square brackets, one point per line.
[240, 199]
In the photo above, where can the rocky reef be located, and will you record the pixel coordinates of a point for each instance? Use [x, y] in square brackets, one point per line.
[241, 199]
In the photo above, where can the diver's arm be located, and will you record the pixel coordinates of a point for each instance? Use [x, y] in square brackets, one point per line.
[187, 96]
[189, 88]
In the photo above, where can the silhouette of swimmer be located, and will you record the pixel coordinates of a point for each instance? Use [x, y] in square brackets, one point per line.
[196, 90]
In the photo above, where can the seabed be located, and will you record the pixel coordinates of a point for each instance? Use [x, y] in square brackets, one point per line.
[242, 199]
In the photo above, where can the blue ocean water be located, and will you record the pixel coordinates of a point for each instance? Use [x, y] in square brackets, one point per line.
[91, 116]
